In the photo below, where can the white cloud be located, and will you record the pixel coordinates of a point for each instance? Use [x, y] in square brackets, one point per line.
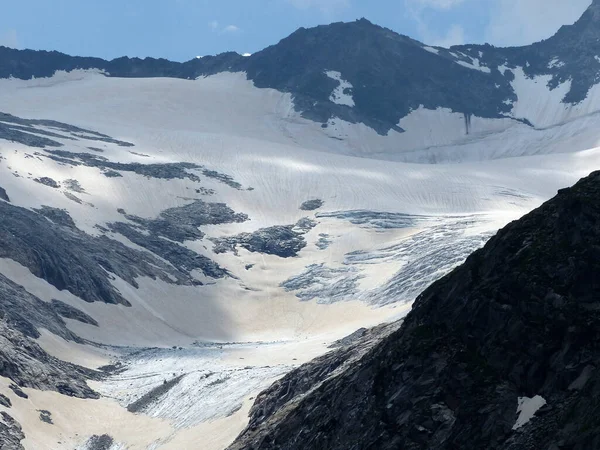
[10, 39]
[231, 29]
[521, 22]
[325, 6]
[454, 36]
[438, 4]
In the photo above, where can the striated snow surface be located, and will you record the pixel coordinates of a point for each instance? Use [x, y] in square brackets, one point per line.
[190, 357]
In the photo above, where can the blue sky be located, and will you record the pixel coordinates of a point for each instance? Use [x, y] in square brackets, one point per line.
[182, 29]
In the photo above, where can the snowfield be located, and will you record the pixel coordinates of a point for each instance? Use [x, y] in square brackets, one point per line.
[192, 357]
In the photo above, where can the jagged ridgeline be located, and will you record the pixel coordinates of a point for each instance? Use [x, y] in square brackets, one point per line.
[384, 69]
[517, 324]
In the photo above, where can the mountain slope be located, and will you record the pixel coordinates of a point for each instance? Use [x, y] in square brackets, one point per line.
[195, 239]
[517, 321]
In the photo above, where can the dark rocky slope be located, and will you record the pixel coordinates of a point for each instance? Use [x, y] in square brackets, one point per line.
[519, 318]
[28, 365]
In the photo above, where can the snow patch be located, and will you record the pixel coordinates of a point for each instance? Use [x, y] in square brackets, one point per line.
[339, 96]
[544, 107]
[538, 103]
[526, 409]
[435, 51]
[555, 63]
[475, 65]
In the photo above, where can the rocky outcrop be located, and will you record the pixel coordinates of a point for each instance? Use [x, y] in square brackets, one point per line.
[47, 181]
[518, 320]
[11, 433]
[27, 313]
[57, 216]
[27, 365]
[70, 312]
[70, 259]
[4, 195]
[103, 442]
[5, 401]
[311, 205]
[28, 131]
[284, 241]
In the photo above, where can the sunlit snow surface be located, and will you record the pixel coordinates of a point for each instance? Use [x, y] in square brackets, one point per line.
[388, 227]
[340, 95]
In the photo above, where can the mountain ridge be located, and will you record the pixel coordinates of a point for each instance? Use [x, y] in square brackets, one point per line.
[387, 75]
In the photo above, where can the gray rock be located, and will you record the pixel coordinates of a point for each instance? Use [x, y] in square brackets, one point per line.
[70, 312]
[4, 195]
[103, 442]
[11, 433]
[385, 69]
[27, 365]
[28, 132]
[166, 171]
[27, 313]
[279, 240]
[284, 241]
[74, 260]
[5, 401]
[58, 216]
[47, 181]
[18, 391]
[164, 234]
[46, 416]
[311, 205]
[350, 339]
[74, 185]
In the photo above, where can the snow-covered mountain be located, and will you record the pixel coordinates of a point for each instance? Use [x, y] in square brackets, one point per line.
[197, 230]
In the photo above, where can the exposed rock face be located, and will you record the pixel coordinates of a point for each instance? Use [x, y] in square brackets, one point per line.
[164, 234]
[311, 205]
[27, 313]
[284, 241]
[28, 131]
[46, 416]
[56, 215]
[5, 401]
[166, 171]
[70, 259]
[104, 442]
[11, 433]
[25, 363]
[4, 195]
[47, 181]
[69, 312]
[518, 319]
